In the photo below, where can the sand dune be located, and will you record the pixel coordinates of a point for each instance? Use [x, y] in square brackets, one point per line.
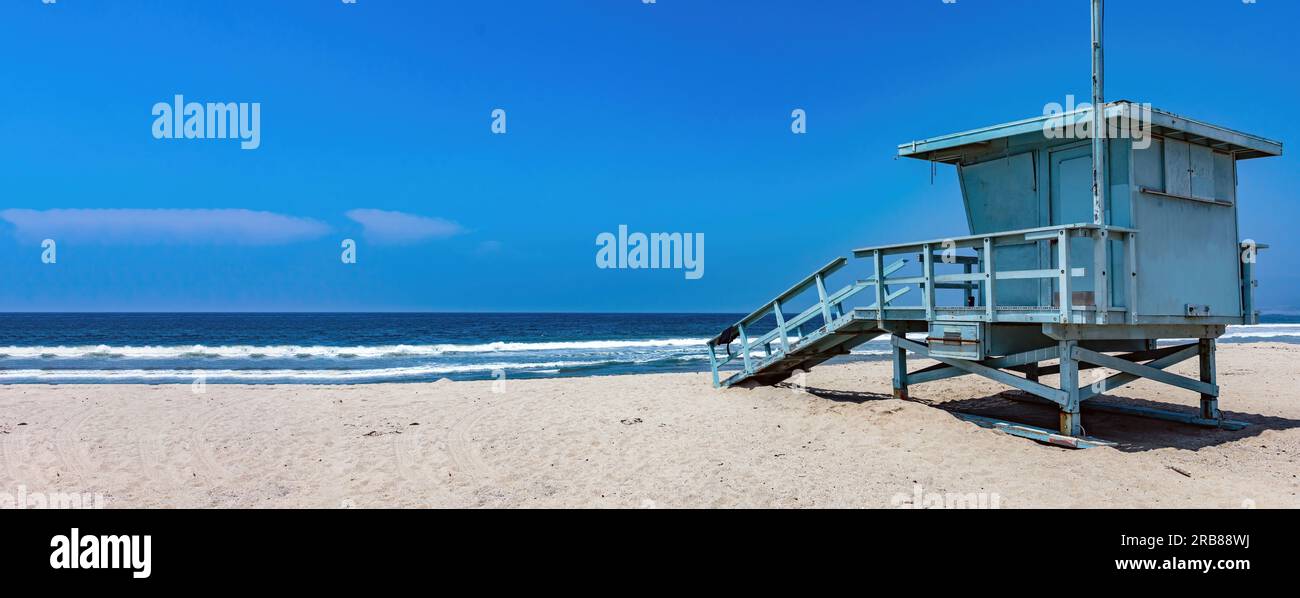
[665, 440]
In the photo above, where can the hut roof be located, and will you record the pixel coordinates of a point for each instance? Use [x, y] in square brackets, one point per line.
[945, 148]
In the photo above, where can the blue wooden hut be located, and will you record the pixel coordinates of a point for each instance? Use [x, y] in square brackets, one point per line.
[1054, 277]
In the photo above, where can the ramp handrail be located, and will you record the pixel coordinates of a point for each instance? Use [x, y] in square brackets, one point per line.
[829, 306]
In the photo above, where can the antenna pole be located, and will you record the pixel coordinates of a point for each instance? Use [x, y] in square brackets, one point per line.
[1098, 119]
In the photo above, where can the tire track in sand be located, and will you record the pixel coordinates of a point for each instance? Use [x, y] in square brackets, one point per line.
[205, 459]
[464, 452]
[19, 457]
[72, 451]
[154, 466]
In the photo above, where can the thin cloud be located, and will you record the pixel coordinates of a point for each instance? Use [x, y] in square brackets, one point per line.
[163, 226]
[382, 226]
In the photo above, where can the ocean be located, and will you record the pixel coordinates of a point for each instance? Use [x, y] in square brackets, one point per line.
[338, 348]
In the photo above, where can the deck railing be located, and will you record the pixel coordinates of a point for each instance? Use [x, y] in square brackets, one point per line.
[987, 277]
[830, 306]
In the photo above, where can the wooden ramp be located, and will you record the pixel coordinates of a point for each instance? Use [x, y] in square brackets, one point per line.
[839, 338]
[790, 346]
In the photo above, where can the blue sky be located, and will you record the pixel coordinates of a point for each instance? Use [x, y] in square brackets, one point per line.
[375, 125]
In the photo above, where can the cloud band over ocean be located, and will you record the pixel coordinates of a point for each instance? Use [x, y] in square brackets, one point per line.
[224, 226]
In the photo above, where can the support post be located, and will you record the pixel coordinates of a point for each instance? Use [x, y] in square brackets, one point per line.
[900, 369]
[713, 365]
[1209, 403]
[1071, 423]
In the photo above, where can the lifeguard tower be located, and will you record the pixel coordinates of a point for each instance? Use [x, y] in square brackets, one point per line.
[1054, 269]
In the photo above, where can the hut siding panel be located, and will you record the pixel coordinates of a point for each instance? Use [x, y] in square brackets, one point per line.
[1001, 195]
[1120, 213]
[1178, 180]
[1202, 171]
[1179, 237]
[1148, 166]
[1224, 185]
[1072, 203]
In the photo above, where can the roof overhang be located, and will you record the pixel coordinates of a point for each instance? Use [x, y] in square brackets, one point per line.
[947, 148]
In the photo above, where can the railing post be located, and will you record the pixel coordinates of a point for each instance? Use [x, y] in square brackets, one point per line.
[826, 307]
[1247, 287]
[1100, 269]
[880, 286]
[990, 281]
[744, 348]
[1065, 290]
[780, 325]
[1131, 281]
[927, 261]
[969, 294]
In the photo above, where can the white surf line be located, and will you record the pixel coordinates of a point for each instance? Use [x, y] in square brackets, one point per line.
[326, 351]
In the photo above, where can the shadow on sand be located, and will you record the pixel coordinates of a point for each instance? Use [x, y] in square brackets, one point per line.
[1131, 433]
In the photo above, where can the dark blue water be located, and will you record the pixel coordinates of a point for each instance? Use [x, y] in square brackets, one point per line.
[361, 348]
[346, 348]
[340, 330]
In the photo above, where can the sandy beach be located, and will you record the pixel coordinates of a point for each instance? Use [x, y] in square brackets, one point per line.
[662, 440]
